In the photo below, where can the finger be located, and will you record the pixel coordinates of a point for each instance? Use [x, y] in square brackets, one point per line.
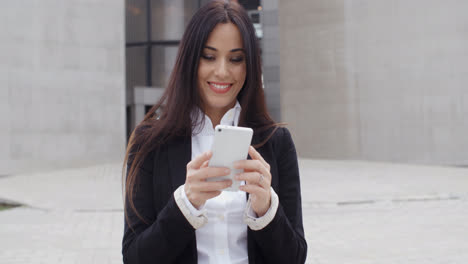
[204, 186]
[253, 165]
[254, 189]
[210, 172]
[199, 160]
[253, 178]
[255, 155]
[205, 164]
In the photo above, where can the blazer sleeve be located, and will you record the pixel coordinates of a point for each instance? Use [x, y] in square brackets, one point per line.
[162, 235]
[283, 241]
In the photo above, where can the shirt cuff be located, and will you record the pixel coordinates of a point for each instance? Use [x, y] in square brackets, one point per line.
[257, 223]
[197, 218]
[193, 210]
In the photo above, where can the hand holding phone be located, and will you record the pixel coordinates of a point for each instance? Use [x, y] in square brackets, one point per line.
[197, 188]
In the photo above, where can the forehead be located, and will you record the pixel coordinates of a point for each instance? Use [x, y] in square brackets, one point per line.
[225, 36]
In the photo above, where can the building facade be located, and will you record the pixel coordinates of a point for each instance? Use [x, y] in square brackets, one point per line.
[370, 80]
[376, 80]
[62, 88]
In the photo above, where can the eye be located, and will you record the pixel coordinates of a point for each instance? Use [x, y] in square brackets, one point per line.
[237, 59]
[208, 57]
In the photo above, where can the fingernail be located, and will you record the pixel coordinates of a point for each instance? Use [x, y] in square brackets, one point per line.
[227, 171]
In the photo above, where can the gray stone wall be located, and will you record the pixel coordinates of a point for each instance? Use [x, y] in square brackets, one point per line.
[271, 57]
[376, 80]
[62, 91]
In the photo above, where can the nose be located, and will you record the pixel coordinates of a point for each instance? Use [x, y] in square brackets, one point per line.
[222, 70]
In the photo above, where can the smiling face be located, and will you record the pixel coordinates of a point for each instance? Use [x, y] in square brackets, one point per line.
[222, 70]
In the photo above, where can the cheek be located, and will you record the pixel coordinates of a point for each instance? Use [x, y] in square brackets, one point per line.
[202, 72]
[240, 74]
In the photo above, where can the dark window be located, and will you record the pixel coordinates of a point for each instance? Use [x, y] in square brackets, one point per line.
[136, 26]
[129, 121]
[147, 108]
[250, 4]
[255, 18]
[153, 32]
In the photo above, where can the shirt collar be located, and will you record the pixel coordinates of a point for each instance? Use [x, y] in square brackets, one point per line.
[230, 118]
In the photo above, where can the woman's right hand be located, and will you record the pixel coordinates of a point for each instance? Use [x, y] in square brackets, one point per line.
[197, 189]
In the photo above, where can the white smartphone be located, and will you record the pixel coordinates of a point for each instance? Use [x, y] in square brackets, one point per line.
[230, 144]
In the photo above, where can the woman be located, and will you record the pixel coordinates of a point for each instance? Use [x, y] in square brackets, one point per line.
[172, 214]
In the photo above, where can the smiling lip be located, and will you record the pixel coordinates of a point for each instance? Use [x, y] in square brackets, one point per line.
[220, 88]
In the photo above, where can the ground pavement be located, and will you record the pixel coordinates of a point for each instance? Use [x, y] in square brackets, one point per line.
[354, 212]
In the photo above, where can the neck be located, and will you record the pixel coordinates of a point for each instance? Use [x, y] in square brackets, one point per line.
[215, 117]
[216, 114]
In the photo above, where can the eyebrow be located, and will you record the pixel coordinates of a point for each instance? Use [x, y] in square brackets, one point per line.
[233, 50]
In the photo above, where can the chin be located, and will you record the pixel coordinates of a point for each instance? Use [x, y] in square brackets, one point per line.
[221, 104]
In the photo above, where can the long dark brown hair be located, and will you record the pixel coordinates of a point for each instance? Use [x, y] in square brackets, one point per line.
[171, 115]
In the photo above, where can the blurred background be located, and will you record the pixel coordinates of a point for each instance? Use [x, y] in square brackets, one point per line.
[368, 80]
[369, 89]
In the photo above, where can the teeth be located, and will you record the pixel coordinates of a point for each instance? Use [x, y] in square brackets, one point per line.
[217, 86]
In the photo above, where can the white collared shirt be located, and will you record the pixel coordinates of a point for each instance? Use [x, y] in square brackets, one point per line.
[221, 224]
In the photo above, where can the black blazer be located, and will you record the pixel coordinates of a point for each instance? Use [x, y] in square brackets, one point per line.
[168, 237]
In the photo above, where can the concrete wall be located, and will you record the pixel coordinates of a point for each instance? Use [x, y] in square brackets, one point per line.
[62, 91]
[271, 57]
[376, 80]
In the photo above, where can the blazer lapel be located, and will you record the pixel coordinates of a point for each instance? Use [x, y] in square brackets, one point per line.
[179, 154]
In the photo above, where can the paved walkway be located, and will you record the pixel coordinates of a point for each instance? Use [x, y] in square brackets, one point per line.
[354, 212]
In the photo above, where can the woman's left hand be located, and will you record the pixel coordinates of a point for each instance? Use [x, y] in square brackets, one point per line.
[257, 179]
